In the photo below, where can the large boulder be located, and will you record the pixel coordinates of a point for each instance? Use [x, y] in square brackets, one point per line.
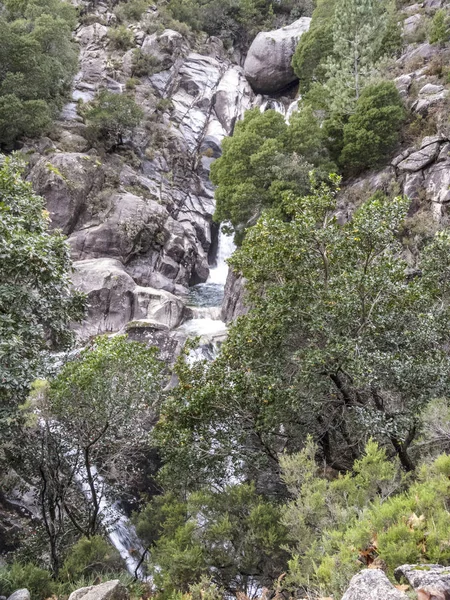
[114, 299]
[110, 590]
[110, 296]
[372, 584]
[268, 64]
[22, 594]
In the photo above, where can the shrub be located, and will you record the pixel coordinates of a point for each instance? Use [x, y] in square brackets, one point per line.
[372, 131]
[91, 556]
[145, 65]
[130, 11]
[121, 37]
[110, 116]
[37, 581]
[340, 526]
[440, 28]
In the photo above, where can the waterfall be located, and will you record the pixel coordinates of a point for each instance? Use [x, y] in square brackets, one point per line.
[206, 299]
[225, 249]
[120, 530]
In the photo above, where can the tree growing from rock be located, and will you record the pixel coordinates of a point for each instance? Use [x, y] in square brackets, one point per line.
[111, 116]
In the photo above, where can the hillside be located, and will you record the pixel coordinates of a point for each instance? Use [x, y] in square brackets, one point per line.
[224, 317]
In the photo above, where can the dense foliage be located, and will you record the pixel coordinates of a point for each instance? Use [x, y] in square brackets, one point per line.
[38, 60]
[36, 303]
[233, 533]
[264, 158]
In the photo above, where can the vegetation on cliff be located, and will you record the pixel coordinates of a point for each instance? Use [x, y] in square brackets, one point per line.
[317, 441]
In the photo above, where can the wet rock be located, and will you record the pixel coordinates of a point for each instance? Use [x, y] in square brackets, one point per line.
[372, 584]
[110, 590]
[268, 62]
[233, 97]
[233, 301]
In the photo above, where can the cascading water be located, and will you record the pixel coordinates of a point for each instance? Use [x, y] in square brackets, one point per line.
[121, 532]
[206, 299]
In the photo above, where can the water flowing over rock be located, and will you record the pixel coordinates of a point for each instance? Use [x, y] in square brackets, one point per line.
[268, 63]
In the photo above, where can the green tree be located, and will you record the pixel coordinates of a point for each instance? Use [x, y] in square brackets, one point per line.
[36, 303]
[261, 160]
[234, 536]
[38, 60]
[113, 386]
[339, 343]
[358, 28]
[111, 116]
[314, 47]
[373, 130]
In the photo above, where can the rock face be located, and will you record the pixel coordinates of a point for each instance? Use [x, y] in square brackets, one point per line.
[268, 63]
[429, 581]
[110, 590]
[372, 584]
[114, 299]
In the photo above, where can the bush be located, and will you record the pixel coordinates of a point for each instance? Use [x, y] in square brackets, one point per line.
[130, 11]
[145, 65]
[373, 130]
[37, 581]
[91, 557]
[121, 37]
[110, 116]
[341, 526]
[440, 28]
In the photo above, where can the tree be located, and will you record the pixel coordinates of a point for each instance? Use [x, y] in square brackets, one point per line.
[314, 47]
[100, 402]
[243, 173]
[38, 60]
[358, 28]
[233, 535]
[372, 131]
[262, 159]
[111, 116]
[339, 343]
[36, 302]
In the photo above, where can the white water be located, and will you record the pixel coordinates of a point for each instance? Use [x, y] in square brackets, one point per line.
[225, 249]
[121, 532]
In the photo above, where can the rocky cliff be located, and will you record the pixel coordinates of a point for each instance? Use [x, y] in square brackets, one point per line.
[139, 218]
